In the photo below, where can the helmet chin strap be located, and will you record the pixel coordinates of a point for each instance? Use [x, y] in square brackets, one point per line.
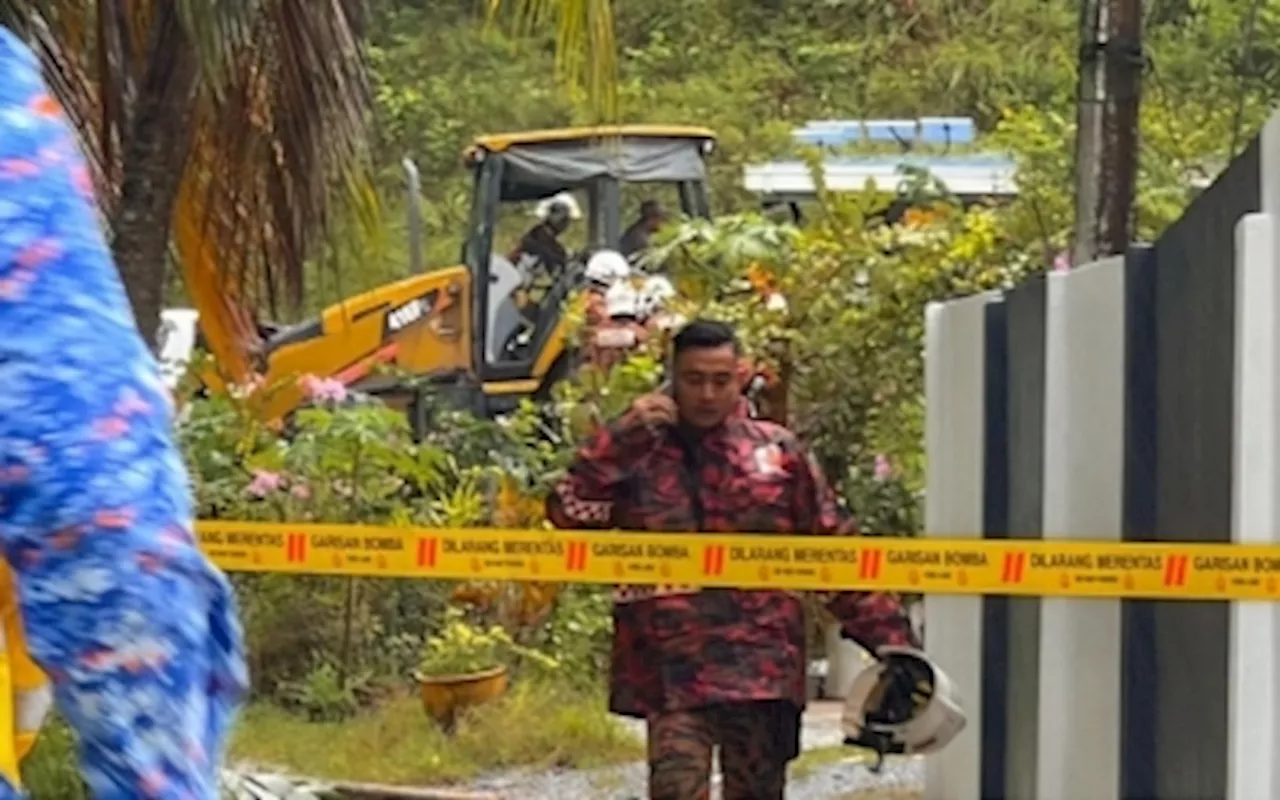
[878, 743]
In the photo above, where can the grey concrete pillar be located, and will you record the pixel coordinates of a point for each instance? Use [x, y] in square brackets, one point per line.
[1253, 721]
[1253, 771]
[955, 374]
[1078, 753]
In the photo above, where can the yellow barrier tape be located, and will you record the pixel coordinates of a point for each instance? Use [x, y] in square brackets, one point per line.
[1164, 570]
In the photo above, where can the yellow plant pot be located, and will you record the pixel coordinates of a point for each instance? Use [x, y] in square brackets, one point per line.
[443, 696]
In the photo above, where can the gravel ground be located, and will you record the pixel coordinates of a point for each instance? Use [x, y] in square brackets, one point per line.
[840, 781]
[845, 780]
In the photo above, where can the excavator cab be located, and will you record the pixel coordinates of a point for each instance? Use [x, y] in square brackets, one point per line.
[520, 349]
[490, 331]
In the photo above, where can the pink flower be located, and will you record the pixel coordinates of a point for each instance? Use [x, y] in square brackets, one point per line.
[322, 389]
[884, 470]
[241, 391]
[264, 483]
[1062, 262]
[300, 491]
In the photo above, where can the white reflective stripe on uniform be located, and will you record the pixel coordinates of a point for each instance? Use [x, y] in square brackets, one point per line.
[26, 694]
[633, 594]
[32, 708]
[616, 338]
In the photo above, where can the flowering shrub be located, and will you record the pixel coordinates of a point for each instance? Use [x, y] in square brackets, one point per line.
[462, 648]
[324, 645]
[324, 390]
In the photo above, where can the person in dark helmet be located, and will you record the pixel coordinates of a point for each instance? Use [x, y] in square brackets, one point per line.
[713, 667]
[636, 238]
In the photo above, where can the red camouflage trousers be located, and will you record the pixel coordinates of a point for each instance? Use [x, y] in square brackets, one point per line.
[756, 741]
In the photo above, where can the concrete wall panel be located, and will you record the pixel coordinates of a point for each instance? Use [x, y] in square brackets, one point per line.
[1079, 726]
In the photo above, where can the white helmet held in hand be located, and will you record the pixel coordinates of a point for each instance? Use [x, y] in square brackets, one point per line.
[902, 704]
[607, 267]
[622, 300]
[655, 293]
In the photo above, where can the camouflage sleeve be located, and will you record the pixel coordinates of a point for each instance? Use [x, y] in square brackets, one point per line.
[872, 619]
[584, 497]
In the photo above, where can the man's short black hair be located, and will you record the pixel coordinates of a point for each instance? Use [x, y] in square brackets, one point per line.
[702, 334]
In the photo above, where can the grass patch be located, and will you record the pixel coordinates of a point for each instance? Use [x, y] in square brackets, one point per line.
[534, 725]
[52, 769]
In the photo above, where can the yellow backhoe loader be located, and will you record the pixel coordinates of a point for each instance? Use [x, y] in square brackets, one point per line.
[486, 332]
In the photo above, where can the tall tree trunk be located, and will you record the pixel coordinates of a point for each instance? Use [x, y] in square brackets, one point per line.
[154, 153]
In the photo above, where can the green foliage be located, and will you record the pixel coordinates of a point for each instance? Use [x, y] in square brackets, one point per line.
[836, 309]
[594, 398]
[324, 695]
[752, 71]
[579, 634]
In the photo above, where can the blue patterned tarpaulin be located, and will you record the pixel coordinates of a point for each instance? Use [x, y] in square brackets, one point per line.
[136, 629]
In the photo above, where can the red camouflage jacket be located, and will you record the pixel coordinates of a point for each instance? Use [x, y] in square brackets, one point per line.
[685, 648]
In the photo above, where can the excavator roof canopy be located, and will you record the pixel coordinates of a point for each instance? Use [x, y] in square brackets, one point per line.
[538, 164]
[497, 142]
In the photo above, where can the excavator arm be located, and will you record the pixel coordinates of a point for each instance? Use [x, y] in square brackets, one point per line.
[228, 329]
[420, 323]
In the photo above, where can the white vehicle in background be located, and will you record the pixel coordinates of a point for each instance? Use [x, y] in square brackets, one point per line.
[175, 343]
[941, 148]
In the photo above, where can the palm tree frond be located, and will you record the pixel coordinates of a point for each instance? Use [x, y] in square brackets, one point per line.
[283, 144]
[218, 29]
[586, 50]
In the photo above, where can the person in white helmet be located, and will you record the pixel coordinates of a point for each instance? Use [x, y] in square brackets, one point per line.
[604, 269]
[656, 292]
[540, 247]
[621, 332]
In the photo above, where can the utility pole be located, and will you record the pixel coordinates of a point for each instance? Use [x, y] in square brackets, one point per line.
[1091, 87]
[1108, 97]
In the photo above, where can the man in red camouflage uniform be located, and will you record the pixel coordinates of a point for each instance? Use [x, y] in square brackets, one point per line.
[716, 667]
